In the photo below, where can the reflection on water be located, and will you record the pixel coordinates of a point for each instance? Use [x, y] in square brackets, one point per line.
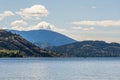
[59, 69]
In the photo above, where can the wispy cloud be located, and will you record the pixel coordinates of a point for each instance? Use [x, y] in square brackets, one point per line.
[34, 12]
[104, 23]
[6, 14]
[93, 7]
[88, 7]
[84, 29]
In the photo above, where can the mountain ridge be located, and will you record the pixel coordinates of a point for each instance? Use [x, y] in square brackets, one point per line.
[89, 49]
[45, 37]
[14, 44]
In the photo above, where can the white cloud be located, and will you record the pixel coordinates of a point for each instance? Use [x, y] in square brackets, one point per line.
[77, 28]
[88, 29]
[1, 27]
[6, 14]
[92, 28]
[21, 25]
[34, 12]
[84, 29]
[104, 23]
[18, 25]
[44, 25]
[93, 7]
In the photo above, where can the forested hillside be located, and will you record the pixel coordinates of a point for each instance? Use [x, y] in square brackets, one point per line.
[90, 49]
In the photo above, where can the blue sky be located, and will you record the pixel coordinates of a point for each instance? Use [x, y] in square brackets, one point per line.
[79, 19]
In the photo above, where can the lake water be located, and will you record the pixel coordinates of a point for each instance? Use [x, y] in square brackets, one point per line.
[60, 69]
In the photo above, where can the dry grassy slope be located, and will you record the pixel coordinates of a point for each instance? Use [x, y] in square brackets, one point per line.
[9, 41]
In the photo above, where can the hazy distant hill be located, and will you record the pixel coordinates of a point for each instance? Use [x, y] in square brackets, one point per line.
[45, 38]
[14, 45]
[90, 49]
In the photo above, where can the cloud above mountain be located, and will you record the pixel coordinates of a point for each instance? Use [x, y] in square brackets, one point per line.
[22, 25]
[44, 25]
[6, 14]
[18, 25]
[105, 23]
[26, 15]
[33, 12]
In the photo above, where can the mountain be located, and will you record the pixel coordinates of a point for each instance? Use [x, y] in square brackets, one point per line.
[45, 38]
[13, 45]
[90, 49]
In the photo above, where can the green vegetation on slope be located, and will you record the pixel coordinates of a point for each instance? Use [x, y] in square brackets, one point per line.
[11, 53]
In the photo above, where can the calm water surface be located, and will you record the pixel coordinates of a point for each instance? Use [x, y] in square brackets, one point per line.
[60, 69]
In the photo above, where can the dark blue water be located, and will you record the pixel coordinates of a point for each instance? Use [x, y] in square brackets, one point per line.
[60, 69]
